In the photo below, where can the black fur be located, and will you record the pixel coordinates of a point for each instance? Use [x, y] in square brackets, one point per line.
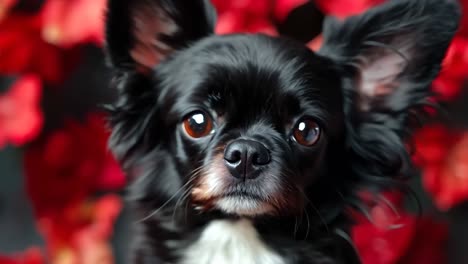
[257, 87]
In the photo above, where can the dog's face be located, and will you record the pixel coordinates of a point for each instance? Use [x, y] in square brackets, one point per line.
[253, 125]
[250, 120]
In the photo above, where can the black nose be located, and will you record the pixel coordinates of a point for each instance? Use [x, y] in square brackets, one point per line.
[245, 158]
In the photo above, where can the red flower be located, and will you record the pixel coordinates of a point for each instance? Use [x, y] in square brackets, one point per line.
[443, 157]
[67, 23]
[259, 7]
[66, 167]
[79, 234]
[432, 144]
[446, 88]
[5, 5]
[428, 244]
[392, 238]
[244, 16]
[444, 160]
[456, 61]
[454, 71]
[378, 245]
[91, 242]
[344, 8]
[20, 116]
[24, 50]
[255, 16]
[30, 256]
[239, 21]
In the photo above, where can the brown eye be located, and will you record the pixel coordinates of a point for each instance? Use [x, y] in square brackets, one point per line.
[198, 124]
[306, 132]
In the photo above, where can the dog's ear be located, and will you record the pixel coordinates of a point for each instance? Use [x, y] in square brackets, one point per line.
[389, 57]
[396, 50]
[142, 33]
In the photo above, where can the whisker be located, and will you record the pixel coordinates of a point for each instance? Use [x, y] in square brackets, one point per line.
[190, 181]
[348, 239]
[295, 226]
[186, 193]
[186, 211]
[320, 216]
[181, 199]
[394, 210]
[309, 202]
[308, 225]
[165, 203]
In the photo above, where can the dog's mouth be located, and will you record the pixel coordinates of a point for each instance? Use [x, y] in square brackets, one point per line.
[239, 202]
[243, 204]
[242, 195]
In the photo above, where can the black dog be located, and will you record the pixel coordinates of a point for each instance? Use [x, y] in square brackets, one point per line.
[248, 148]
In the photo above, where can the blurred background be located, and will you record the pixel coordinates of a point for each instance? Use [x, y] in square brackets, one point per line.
[60, 188]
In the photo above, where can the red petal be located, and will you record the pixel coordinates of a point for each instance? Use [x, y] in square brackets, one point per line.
[344, 8]
[20, 115]
[447, 181]
[428, 245]
[5, 5]
[67, 23]
[61, 170]
[24, 50]
[383, 246]
[447, 89]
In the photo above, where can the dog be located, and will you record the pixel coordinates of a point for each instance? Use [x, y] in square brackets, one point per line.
[248, 148]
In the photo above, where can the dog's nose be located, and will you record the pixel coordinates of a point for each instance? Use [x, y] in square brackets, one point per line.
[244, 158]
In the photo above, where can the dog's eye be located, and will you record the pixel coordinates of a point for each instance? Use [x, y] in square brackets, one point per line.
[198, 124]
[306, 132]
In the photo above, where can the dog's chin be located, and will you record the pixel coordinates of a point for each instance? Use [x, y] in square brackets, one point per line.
[243, 206]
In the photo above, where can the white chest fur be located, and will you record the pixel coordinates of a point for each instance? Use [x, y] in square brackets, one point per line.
[230, 242]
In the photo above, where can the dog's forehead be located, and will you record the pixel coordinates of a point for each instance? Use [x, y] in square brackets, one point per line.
[250, 73]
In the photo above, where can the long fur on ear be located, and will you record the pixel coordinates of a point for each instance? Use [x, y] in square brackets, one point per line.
[396, 49]
[389, 56]
[144, 32]
[139, 35]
